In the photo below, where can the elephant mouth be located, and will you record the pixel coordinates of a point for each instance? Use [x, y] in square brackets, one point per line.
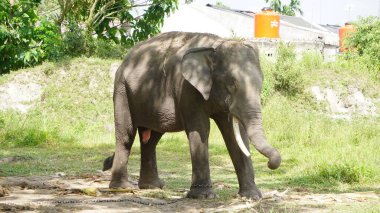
[238, 138]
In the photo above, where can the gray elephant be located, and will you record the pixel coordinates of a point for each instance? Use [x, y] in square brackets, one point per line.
[176, 81]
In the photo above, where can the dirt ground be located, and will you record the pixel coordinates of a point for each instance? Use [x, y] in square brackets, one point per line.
[89, 193]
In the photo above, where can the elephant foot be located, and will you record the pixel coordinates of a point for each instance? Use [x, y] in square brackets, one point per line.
[253, 194]
[151, 184]
[201, 193]
[122, 184]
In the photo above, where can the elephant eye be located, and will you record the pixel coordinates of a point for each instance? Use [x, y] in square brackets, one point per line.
[231, 86]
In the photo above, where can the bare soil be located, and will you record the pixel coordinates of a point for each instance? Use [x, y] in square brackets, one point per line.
[89, 193]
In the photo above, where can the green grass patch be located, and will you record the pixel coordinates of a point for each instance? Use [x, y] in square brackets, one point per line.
[76, 106]
[344, 173]
[70, 159]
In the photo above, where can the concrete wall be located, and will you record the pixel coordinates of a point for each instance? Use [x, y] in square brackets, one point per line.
[227, 24]
[269, 48]
[196, 18]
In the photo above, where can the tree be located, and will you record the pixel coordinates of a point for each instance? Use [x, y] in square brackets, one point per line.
[101, 16]
[364, 44]
[22, 35]
[30, 30]
[290, 10]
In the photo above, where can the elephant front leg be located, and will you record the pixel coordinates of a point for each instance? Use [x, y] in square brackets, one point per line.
[148, 171]
[242, 163]
[197, 132]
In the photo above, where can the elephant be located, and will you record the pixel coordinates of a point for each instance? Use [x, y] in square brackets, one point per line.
[177, 81]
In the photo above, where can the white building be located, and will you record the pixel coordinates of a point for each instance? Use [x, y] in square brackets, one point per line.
[236, 23]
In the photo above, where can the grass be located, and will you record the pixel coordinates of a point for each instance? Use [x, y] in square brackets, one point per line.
[71, 130]
[76, 106]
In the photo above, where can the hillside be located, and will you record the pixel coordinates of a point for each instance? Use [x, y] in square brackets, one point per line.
[57, 119]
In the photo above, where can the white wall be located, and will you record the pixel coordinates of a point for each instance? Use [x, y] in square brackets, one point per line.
[200, 18]
[196, 18]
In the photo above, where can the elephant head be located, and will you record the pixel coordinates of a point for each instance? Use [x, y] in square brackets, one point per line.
[228, 74]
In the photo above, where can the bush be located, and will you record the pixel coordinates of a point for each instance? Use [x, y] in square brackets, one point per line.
[18, 45]
[268, 84]
[365, 43]
[288, 78]
[51, 41]
[109, 49]
[30, 130]
[312, 60]
[25, 38]
[75, 40]
[285, 75]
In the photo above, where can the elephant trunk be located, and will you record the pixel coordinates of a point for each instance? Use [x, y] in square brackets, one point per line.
[256, 135]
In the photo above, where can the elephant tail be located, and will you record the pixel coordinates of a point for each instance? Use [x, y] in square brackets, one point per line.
[107, 164]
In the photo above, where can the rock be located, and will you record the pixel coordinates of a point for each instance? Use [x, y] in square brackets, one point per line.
[360, 103]
[344, 102]
[59, 174]
[336, 106]
[18, 96]
[315, 90]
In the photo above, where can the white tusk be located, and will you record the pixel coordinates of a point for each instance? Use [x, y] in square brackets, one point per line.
[239, 140]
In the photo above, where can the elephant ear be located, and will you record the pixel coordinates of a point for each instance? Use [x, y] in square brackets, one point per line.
[196, 69]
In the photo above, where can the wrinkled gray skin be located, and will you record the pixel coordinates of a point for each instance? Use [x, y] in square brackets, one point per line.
[177, 81]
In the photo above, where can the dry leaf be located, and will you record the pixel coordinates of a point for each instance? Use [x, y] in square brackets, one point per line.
[92, 191]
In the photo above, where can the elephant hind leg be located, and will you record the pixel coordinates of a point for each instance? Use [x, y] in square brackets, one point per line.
[148, 170]
[125, 134]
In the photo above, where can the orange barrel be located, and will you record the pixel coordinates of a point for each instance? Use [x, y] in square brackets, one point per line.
[267, 24]
[344, 32]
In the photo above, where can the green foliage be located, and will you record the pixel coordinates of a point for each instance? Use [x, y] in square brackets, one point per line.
[328, 155]
[290, 10]
[109, 49]
[77, 103]
[30, 35]
[151, 21]
[327, 174]
[25, 38]
[18, 44]
[268, 84]
[288, 76]
[365, 44]
[99, 17]
[344, 173]
[51, 40]
[74, 40]
[28, 131]
[312, 60]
